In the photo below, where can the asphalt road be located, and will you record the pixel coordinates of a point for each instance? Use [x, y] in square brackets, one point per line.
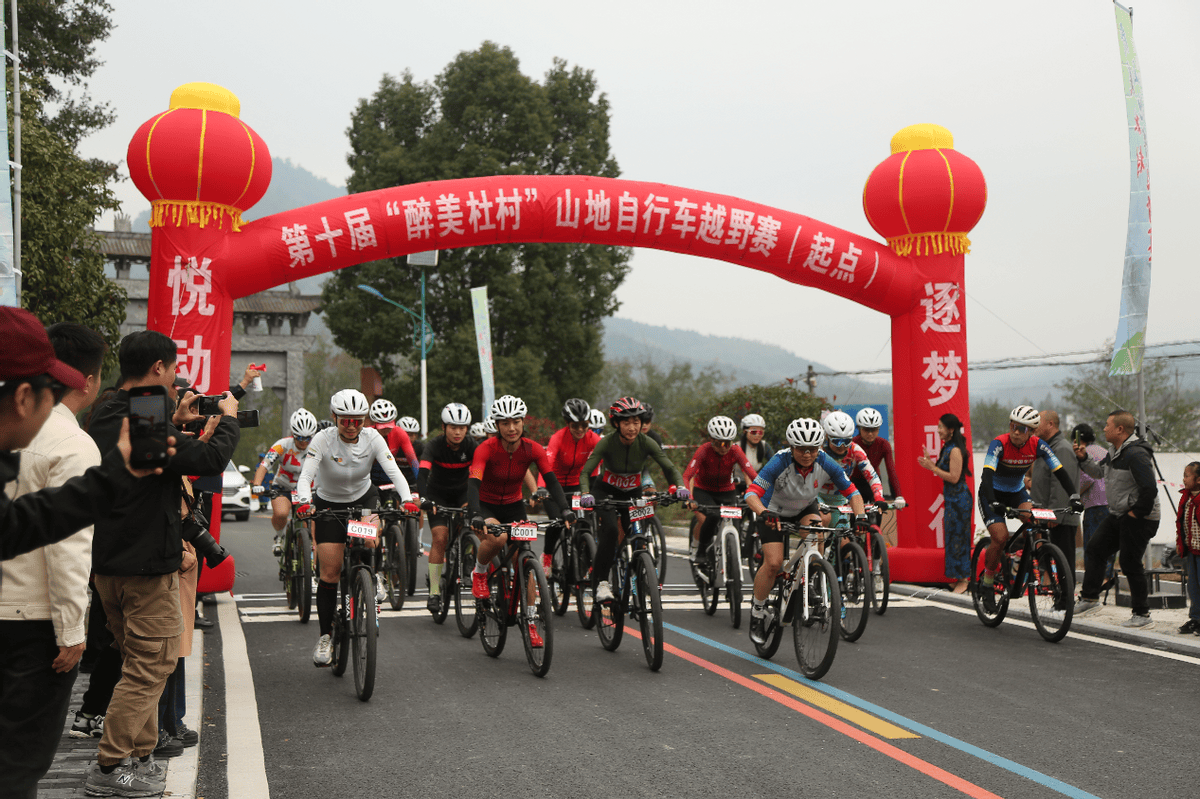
[928, 703]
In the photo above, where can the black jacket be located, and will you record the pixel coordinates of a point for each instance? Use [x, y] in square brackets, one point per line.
[142, 534]
[52, 514]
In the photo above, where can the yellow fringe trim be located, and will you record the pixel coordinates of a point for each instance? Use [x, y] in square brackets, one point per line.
[930, 244]
[181, 213]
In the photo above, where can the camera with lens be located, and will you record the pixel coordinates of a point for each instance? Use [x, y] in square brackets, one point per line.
[195, 532]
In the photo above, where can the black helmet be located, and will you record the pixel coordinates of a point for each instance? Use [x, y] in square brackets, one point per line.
[647, 413]
[576, 410]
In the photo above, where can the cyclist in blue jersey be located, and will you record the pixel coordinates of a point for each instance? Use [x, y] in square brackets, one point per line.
[1002, 484]
[787, 488]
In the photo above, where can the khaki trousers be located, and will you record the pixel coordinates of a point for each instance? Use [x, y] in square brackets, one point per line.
[144, 617]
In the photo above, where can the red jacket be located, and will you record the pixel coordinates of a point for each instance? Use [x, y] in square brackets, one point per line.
[1188, 502]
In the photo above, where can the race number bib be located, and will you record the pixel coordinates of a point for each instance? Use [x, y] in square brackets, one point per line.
[730, 512]
[575, 502]
[360, 529]
[295, 497]
[844, 509]
[1043, 514]
[523, 531]
[624, 482]
[638, 513]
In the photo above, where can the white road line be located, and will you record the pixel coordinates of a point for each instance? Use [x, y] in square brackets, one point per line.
[246, 768]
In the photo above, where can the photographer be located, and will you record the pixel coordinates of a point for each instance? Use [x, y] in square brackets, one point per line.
[136, 555]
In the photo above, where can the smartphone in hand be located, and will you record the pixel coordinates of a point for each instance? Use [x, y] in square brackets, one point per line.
[149, 414]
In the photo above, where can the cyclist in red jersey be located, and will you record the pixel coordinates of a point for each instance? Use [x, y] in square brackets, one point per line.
[498, 472]
[878, 449]
[567, 451]
[709, 476]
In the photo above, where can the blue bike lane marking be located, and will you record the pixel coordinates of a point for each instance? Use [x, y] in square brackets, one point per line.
[922, 729]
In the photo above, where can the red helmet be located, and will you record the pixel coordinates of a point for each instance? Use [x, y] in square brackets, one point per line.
[625, 408]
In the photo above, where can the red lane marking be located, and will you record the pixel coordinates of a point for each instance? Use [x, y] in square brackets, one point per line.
[925, 767]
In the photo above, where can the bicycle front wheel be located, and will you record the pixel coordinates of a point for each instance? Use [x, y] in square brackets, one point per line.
[733, 576]
[990, 616]
[465, 609]
[412, 551]
[585, 555]
[560, 591]
[649, 608]
[341, 628]
[882, 573]
[364, 628]
[609, 615]
[774, 625]
[1051, 592]
[394, 573]
[493, 612]
[536, 610]
[816, 636]
[855, 585]
[302, 583]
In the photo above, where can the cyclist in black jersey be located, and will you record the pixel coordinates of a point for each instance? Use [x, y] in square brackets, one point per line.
[442, 483]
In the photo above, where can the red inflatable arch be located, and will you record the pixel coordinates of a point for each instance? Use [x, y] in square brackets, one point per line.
[201, 167]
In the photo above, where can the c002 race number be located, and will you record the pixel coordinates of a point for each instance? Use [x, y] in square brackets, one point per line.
[624, 482]
[637, 514]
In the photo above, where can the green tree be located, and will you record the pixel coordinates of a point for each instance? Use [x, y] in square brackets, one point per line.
[1171, 411]
[989, 418]
[676, 391]
[325, 373]
[777, 404]
[480, 117]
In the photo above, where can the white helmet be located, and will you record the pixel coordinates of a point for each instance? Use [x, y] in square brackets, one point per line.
[869, 417]
[596, 418]
[382, 411]
[456, 413]
[838, 425]
[722, 428]
[489, 426]
[509, 407]
[348, 402]
[409, 424]
[805, 433]
[753, 420]
[303, 424]
[1023, 414]
[477, 430]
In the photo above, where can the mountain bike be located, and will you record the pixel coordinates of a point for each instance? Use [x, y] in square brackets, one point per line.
[635, 582]
[720, 565]
[518, 594]
[408, 531]
[461, 547]
[1030, 565]
[571, 566]
[877, 555]
[855, 582]
[296, 565]
[391, 554]
[804, 595]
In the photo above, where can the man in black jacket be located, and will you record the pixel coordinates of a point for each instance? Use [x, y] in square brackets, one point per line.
[1133, 516]
[136, 554]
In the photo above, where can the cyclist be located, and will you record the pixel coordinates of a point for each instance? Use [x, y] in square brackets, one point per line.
[754, 427]
[324, 424]
[596, 421]
[622, 455]
[413, 428]
[340, 459]
[786, 489]
[1002, 483]
[647, 420]
[567, 451]
[477, 432]
[498, 473]
[442, 483]
[709, 476]
[489, 426]
[840, 446]
[286, 457]
[383, 418]
[878, 449]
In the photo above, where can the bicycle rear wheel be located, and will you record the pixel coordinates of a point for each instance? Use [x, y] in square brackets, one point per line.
[560, 591]
[816, 637]
[990, 618]
[493, 612]
[585, 555]
[395, 576]
[882, 573]
[658, 546]
[855, 585]
[412, 551]
[536, 611]
[1051, 590]
[465, 609]
[302, 584]
[774, 626]
[733, 576]
[609, 615]
[649, 608]
[363, 633]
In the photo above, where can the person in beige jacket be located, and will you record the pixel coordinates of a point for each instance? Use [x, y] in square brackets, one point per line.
[44, 593]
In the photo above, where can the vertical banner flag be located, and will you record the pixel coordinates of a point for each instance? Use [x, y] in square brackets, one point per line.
[483, 336]
[8, 278]
[1135, 281]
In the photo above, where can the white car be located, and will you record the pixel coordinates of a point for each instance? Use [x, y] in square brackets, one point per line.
[235, 492]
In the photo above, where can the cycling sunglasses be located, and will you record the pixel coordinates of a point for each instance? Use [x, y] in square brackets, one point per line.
[806, 450]
[1019, 428]
[351, 421]
[302, 439]
[840, 442]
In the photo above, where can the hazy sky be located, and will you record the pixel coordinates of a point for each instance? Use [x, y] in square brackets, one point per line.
[790, 104]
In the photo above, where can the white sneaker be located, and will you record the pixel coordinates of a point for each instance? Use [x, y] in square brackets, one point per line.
[323, 653]
[604, 592]
[1138, 620]
[380, 590]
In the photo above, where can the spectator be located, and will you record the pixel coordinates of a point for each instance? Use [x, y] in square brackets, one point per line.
[44, 593]
[1050, 493]
[951, 467]
[136, 554]
[1133, 516]
[1091, 489]
[1187, 542]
